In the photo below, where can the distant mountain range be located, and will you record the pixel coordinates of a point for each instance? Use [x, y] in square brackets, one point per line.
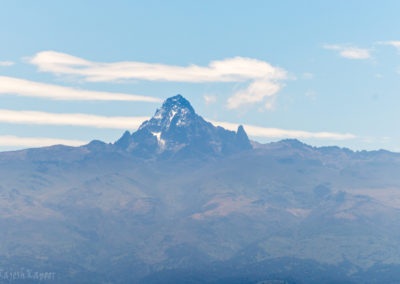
[182, 201]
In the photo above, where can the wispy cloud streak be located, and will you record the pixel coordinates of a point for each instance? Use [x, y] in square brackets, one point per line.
[350, 52]
[393, 43]
[15, 141]
[72, 119]
[263, 78]
[258, 131]
[21, 87]
[6, 63]
[133, 122]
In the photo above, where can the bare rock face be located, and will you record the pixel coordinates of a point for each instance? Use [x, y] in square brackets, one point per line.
[176, 129]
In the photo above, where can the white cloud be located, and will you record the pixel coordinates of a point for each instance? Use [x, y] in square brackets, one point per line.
[14, 141]
[393, 43]
[350, 52]
[262, 76]
[21, 87]
[133, 122]
[209, 99]
[228, 70]
[257, 131]
[255, 92]
[73, 119]
[6, 63]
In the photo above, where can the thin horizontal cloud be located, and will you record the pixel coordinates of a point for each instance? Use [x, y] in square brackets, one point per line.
[6, 63]
[350, 52]
[235, 69]
[258, 131]
[393, 43]
[21, 87]
[263, 78]
[72, 119]
[133, 122]
[15, 141]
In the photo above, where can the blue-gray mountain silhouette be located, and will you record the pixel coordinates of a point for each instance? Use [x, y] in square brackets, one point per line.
[183, 201]
[175, 129]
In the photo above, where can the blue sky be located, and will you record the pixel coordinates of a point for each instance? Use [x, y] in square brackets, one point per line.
[325, 72]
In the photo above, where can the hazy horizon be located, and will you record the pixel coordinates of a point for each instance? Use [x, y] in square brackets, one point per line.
[249, 142]
[325, 74]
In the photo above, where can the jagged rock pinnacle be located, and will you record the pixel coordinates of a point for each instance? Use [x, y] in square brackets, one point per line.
[176, 128]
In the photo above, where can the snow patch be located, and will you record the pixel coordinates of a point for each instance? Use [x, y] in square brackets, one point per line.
[161, 142]
[172, 115]
[182, 119]
[181, 122]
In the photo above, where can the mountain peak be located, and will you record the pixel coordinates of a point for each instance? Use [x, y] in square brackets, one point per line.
[176, 102]
[175, 111]
[176, 128]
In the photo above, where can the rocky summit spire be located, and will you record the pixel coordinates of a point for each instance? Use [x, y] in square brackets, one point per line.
[242, 138]
[176, 130]
[175, 111]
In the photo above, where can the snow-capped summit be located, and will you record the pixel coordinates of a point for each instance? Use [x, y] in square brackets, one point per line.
[175, 111]
[175, 129]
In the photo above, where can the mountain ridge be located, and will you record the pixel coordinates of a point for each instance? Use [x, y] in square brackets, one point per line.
[165, 134]
[176, 129]
[102, 210]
